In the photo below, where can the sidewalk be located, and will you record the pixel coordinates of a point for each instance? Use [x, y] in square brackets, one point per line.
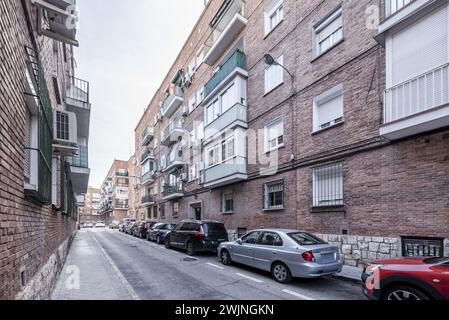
[350, 274]
[97, 279]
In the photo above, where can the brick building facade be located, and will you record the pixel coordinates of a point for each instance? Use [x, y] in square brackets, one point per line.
[349, 160]
[39, 112]
[90, 209]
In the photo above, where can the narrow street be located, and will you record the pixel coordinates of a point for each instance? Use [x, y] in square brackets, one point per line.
[113, 265]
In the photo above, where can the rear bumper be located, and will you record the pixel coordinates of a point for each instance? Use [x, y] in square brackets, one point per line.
[314, 270]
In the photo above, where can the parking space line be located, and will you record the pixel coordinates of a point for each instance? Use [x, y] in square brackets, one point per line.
[215, 266]
[298, 295]
[249, 278]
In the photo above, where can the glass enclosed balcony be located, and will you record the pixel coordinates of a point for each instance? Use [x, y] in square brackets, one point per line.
[172, 133]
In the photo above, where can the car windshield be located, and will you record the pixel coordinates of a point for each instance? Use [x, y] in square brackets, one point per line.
[305, 239]
[214, 228]
[436, 260]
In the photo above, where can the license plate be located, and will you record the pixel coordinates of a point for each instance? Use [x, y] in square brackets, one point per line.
[328, 257]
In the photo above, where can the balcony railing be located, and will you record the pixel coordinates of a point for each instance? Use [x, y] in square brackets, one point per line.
[147, 199]
[227, 172]
[423, 93]
[121, 205]
[172, 192]
[237, 60]
[172, 102]
[393, 6]
[147, 178]
[172, 132]
[147, 135]
[81, 160]
[122, 174]
[148, 153]
[228, 22]
[237, 114]
[173, 160]
[78, 91]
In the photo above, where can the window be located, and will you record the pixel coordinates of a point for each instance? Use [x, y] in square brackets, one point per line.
[200, 95]
[251, 238]
[200, 56]
[213, 111]
[221, 152]
[227, 149]
[192, 103]
[274, 75]
[191, 68]
[228, 98]
[305, 239]
[62, 125]
[175, 209]
[274, 195]
[227, 202]
[273, 16]
[271, 239]
[241, 232]
[213, 155]
[328, 109]
[161, 210]
[329, 32]
[274, 135]
[327, 186]
[193, 172]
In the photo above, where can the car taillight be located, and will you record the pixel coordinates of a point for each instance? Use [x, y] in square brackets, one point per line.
[308, 256]
[200, 234]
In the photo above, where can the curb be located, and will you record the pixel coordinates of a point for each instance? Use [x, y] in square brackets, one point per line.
[347, 279]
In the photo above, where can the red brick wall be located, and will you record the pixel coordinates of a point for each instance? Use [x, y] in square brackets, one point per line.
[29, 233]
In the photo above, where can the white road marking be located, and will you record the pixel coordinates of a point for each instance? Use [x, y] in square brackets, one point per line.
[249, 278]
[120, 275]
[215, 266]
[298, 295]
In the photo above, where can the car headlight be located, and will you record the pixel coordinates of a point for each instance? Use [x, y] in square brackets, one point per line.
[371, 268]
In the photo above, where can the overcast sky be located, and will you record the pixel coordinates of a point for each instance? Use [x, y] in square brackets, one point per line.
[126, 48]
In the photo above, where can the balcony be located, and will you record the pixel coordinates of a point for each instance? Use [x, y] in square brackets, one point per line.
[122, 174]
[227, 24]
[173, 160]
[79, 167]
[172, 133]
[172, 102]
[237, 62]
[78, 101]
[121, 205]
[172, 192]
[146, 155]
[236, 116]
[229, 172]
[147, 201]
[417, 105]
[65, 140]
[399, 13]
[147, 178]
[57, 20]
[147, 135]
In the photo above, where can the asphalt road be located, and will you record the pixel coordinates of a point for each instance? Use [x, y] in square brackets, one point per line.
[145, 270]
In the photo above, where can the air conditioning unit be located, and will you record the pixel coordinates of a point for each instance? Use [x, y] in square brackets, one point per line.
[186, 80]
[65, 132]
[185, 111]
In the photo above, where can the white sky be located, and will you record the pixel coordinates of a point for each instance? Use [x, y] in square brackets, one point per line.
[126, 48]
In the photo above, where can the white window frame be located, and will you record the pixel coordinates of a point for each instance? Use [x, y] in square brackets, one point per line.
[319, 200]
[269, 87]
[266, 195]
[223, 201]
[278, 10]
[323, 98]
[337, 14]
[268, 138]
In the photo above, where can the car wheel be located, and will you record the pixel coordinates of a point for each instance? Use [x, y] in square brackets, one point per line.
[141, 235]
[225, 257]
[148, 237]
[281, 273]
[167, 242]
[190, 249]
[404, 293]
[158, 239]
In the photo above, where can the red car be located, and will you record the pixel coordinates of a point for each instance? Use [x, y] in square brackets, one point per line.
[407, 279]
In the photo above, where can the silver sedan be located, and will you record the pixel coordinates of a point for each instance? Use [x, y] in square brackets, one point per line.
[285, 253]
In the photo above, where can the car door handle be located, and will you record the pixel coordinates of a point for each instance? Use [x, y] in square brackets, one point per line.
[273, 252]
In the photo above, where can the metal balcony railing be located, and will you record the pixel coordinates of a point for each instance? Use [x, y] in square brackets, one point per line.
[81, 160]
[148, 199]
[78, 90]
[169, 190]
[147, 177]
[175, 124]
[237, 60]
[416, 95]
[147, 135]
[122, 174]
[173, 159]
[149, 152]
[393, 6]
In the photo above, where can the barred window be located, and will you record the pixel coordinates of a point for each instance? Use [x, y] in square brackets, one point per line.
[274, 195]
[227, 202]
[175, 209]
[327, 186]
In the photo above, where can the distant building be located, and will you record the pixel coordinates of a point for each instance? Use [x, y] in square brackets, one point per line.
[91, 210]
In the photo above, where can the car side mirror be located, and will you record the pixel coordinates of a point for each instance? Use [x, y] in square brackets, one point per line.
[239, 241]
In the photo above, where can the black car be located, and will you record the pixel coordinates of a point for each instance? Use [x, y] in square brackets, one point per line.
[141, 228]
[197, 236]
[158, 232]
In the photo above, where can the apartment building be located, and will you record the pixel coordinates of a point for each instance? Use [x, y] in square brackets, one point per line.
[90, 210]
[116, 190]
[44, 127]
[326, 116]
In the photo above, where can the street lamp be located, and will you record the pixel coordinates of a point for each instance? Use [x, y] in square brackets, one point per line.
[269, 60]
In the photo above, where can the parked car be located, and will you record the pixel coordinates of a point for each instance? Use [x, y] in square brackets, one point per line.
[140, 229]
[88, 225]
[196, 236]
[158, 232]
[114, 225]
[125, 223]
[285, 253]
[407, 279]
[129, 227]
[100, 224]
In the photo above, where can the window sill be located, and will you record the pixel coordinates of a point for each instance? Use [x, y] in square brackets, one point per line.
[227, 213]
[328, 50]
[329, 209]
[272, 30]
[328, 128]
[279, 147]
[274, 89]
[274, 209]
